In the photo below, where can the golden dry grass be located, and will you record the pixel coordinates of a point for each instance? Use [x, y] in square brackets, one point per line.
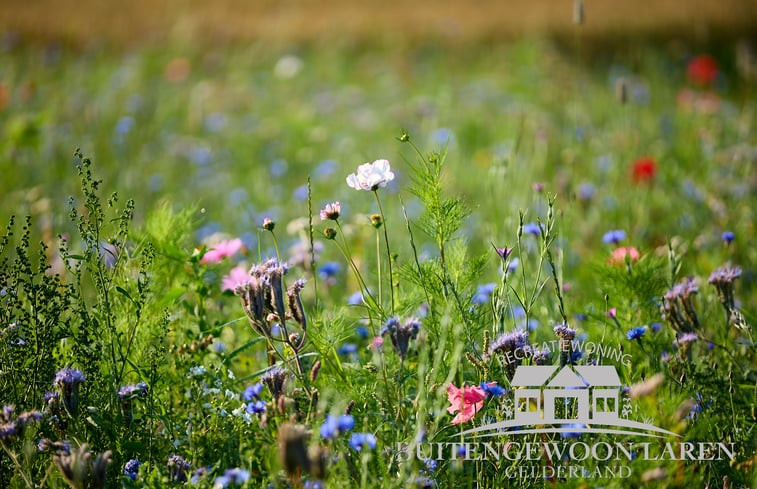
[149, 21]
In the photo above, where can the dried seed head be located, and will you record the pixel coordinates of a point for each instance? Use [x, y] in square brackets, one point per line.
[292, 450]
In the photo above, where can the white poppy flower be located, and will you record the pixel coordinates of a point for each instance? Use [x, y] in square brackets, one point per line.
[370, 176]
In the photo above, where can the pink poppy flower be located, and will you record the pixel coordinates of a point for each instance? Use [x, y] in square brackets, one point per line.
[619, 255]
[237, 276]
[221, 250]
[466, 402]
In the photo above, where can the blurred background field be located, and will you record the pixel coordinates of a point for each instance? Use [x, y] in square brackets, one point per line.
[193, 21]
[227, 108]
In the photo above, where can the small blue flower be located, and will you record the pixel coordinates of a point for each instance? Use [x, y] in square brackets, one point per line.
[257, 407]
[345, 422]
[355, 299]
[313, 485]
[483, 292]
[493, 389]
[655, 327]
[235, 477]
[329, 270]
[728, 236]
[513, 265]
[124, 125]
[532, 228]
[636, 333]
[360, 440]
[586, 191]
[330, 427]
[252, 392]
[362, 332]
[300, 194]
[614, 237]
[348, 349]
[429, 465]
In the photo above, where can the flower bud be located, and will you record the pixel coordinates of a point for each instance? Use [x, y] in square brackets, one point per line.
[376, 221]
[268, 224]
[329, 233]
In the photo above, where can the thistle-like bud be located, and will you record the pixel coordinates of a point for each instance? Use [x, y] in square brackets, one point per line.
[177, 468]
[566, 335]
[67, 381]
[275, 379]
[295, 303]
[293, 453]
[268, 224]
[401, 334]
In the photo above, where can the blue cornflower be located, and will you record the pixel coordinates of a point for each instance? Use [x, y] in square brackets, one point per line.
[362, 332]
[655, 327]
[257, 407]
[483, 292]
[513, 265]
[329, 270]
[728, 236]
[124, 125]
[252, 391]
[314, 484]
[636, 333]
[532, 228]
[348, 349]
[355, 299]
[345, 422]
[614, 237]
[493, 389]
[586, 191]
[429, 465]
[131, 469]
[360, 440]
[300, 194]
[330, 427]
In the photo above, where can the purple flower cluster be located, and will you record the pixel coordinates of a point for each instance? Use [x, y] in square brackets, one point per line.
[566, 335]
[505, 346]
[177, 468]
[722, 279]
[678, 306]
[401, 333]
[232, 477]
[131, 469]
[11, 427]
[69, 378]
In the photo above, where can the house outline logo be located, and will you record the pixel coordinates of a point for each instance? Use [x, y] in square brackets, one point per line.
[568, 399]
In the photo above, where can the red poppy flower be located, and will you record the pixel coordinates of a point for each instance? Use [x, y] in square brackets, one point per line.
[702, 70]
[644, 169]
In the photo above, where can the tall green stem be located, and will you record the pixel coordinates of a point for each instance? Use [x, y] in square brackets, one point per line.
[388, 251]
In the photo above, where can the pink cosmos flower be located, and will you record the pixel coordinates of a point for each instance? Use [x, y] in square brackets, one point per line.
[466, 402]
[371, 176]
[331, 211]
[237, 276]
[221, 250]
[619, 255]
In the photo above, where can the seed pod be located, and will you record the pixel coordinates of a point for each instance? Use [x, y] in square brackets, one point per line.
[314, 371]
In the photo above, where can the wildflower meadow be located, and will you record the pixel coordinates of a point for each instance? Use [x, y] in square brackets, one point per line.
[513, 264]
